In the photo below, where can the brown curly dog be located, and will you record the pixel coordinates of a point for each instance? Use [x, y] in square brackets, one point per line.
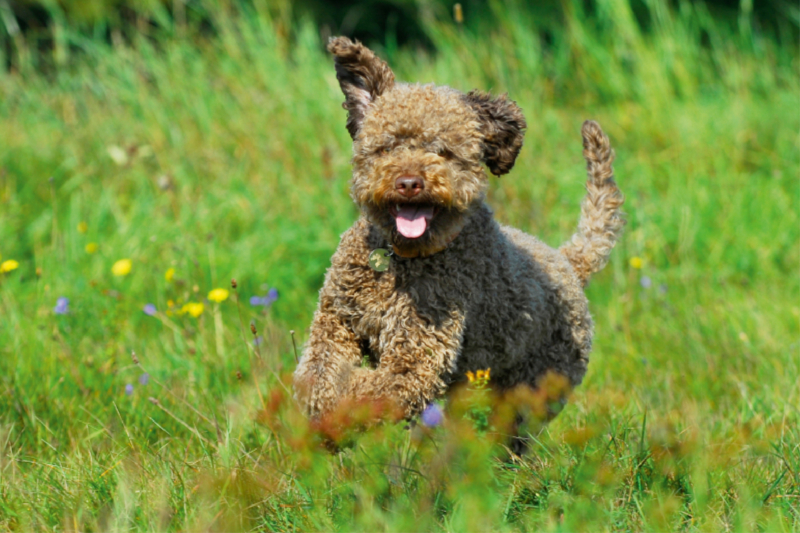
[426, 284]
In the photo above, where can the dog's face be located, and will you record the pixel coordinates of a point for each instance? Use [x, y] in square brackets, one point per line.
[419, 150]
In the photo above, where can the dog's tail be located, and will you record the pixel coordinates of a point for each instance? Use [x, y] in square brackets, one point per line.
[601, 220]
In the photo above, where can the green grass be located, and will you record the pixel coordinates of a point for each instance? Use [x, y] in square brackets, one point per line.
[237, 166]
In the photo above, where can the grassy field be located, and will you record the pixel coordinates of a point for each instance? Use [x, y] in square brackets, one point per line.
[202, 160]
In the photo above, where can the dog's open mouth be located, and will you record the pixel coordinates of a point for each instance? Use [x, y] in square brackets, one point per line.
[412, 219]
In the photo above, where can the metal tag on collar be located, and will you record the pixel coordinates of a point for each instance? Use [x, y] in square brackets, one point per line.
[380, 259]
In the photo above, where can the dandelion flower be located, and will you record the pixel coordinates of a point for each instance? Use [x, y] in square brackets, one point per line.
[83, 227]
[91, 247]
[218, 295]
[8, 266]
[169, 274]
[193, 308]
[150, 310]
[636, 262]
[432, 416]
[62, 306]
[122, 267]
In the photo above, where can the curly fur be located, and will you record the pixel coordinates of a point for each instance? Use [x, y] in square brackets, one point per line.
[470, 294]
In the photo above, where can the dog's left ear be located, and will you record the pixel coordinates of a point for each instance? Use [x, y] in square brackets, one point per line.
[362, 76]
[503, 127]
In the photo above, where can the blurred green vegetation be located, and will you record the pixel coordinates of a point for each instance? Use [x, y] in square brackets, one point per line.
[220, 152]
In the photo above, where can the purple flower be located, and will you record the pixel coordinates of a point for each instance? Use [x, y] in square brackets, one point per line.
[128, 389]
[646, 282]
[150, 310]
[144, 379]
[258, 341]
[62, 306]
[432, 416]
[265, 301]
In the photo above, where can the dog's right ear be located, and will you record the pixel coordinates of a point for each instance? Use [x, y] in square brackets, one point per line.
[362, 76]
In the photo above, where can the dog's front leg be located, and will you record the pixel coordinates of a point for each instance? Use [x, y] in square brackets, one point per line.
[331, 355]
[415, 356]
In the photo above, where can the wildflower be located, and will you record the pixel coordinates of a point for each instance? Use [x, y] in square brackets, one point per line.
[150, 310]
[646, 282]
[258, 341]
[636, 262]
[265, 301]
[218, 295]
[83, 227]
[432, 416]
[122, 267]
[128, 389]
[90, 247]
[144, 379]
[193, 308]
[169, 274]
[119, 155]
[62, 306]
[470, 377]
[8, 266]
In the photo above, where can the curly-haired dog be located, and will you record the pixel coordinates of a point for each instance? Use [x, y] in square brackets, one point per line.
[461, 292]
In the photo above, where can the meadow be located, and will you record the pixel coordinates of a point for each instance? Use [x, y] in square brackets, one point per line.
[140, 391]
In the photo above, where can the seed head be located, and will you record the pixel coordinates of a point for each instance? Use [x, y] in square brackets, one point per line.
[135, 359]
[233, 283]
[253, 329]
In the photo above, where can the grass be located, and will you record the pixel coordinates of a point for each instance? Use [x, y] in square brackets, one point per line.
[227, 157]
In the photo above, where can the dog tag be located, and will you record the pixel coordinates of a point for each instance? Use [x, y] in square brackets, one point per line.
[379, 259]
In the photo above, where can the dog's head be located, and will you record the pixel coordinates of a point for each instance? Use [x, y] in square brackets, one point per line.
[418, 150]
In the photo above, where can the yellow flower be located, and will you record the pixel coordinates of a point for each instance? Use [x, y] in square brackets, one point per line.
[218, 295]
[122, 267]
[83, 227]
[488, 372]
[193, 308]
[91, 247]
[479, 375]
[636, 262]
[470, 377]
[8, 266]
[169, 274]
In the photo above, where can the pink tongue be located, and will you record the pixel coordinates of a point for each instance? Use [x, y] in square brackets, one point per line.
[412, 220]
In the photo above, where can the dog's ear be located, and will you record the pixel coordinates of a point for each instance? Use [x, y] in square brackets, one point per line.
[362, 76]
[503, 127]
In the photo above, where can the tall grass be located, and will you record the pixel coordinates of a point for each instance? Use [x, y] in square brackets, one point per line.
[228, 158]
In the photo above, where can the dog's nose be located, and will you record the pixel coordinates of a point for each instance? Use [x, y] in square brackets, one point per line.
[409, 186]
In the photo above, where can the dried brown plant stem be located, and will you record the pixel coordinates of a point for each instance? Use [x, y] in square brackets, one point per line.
[235, 287]
[294, 344]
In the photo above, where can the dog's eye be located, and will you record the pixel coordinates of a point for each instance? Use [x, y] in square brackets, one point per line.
[386, 149]
[443, 152]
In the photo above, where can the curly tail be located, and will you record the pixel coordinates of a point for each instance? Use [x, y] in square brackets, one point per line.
[601, 221]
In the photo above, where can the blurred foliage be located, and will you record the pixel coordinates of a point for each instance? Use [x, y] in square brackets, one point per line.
[390, 23]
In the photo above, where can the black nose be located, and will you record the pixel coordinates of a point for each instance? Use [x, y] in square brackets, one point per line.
[409, 186]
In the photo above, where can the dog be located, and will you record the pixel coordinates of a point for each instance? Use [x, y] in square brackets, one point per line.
[426, 284]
